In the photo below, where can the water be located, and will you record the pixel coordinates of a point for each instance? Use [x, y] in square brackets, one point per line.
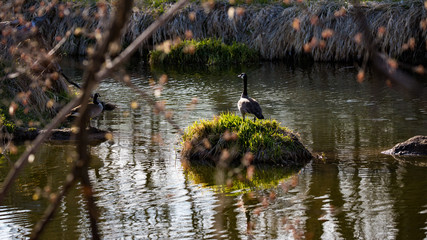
[142, 190]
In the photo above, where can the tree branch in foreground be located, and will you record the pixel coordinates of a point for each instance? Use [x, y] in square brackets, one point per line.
[80, 169]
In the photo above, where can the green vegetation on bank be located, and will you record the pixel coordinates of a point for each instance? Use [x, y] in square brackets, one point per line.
[208, 51]
[4, 122]
[268, 142]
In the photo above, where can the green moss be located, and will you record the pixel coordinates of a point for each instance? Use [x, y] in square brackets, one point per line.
[268, 141]
[208, 51]
[10, 126]
[21, 118]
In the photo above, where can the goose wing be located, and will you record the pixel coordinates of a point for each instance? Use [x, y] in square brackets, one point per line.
[250, 105]
[93, 109]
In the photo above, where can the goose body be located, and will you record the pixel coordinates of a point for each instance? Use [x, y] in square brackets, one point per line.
[246, 104]
[94, 108]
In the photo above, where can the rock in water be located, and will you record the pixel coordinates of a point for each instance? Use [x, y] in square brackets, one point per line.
[414, 146]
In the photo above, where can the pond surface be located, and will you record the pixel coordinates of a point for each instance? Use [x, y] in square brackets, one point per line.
[143, 191]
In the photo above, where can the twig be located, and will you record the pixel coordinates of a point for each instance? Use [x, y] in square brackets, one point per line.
[80, 170]
[127, 53]
[381, 61]
[150, 101]
[70, 81]
[91, 204]
[58, 45]
[91, 78]
[70, 181]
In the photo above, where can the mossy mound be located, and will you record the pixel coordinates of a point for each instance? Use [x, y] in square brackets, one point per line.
[208, 51]
[229, 140]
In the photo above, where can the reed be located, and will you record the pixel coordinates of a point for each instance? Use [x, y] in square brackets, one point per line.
[33, 96]
[269, 29]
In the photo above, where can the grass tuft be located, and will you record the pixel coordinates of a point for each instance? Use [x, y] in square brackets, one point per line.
[209, 51]
[227, 138]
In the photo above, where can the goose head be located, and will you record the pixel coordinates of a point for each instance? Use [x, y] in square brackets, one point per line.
[95, 98]
[243, 76]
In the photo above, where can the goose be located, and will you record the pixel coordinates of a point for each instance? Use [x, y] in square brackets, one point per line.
[246, 104]
[108, 106]
[94, 109]
[105, 106]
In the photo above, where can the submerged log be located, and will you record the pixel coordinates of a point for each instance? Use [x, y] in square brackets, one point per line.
[414, 146]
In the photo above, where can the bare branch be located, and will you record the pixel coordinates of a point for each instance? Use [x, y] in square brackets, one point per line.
[381, 61]
[90, 81]
[90, 78]
[70, 181]
[91, 204]
[150, 101]
[63, 40]
[127, 53]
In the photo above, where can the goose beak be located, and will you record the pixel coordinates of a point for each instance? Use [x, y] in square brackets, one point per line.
[240, 76]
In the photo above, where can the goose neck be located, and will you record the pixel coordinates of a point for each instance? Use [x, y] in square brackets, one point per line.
[245, 87]
[95, 99]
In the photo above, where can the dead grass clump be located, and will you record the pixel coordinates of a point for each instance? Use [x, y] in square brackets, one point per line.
[31, 83]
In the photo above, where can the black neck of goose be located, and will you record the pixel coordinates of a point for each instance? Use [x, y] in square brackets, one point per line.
[95, 99]
[245, 87]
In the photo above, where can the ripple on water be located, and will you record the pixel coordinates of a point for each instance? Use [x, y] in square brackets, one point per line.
[14, 223]
[142, 191]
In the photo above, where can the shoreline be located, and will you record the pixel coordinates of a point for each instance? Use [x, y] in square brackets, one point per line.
[272, 29]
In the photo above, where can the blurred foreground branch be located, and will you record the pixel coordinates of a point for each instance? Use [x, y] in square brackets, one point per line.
[81, 166]
[386, 66]
[133, 47]
[97, 70]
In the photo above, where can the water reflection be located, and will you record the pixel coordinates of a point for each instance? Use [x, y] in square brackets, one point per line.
[143, 191]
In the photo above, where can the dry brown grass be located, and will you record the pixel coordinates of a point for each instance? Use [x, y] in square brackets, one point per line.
[268, 28]
[31, 78]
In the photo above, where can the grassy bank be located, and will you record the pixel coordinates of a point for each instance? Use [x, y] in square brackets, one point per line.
[275, 31]
[228, 138]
